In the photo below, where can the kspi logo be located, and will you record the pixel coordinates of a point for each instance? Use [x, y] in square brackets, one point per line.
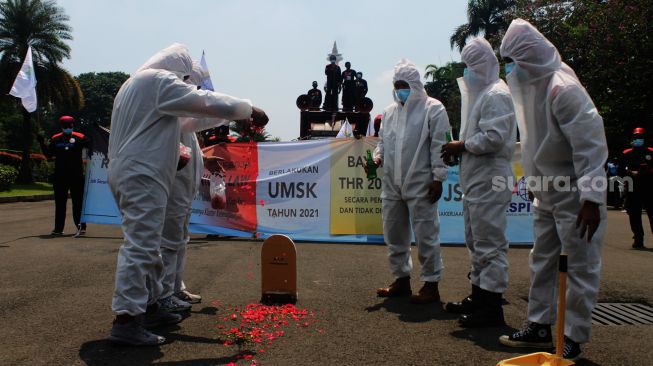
[519, 207]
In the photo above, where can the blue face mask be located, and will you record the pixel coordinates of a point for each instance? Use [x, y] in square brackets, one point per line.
[466, 72]
[67, 131]
[509, 67]
[402, 94]
[638, 142]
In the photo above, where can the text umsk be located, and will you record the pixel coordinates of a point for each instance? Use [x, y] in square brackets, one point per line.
[292, 190]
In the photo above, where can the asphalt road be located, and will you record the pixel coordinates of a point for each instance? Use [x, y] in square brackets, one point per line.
[55, 297]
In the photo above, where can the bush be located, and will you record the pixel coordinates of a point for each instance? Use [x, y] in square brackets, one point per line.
[10, 159]
[41, 167]
[8, 175]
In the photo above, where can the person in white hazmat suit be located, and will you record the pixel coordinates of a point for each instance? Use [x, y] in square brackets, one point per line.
[175, 236]
[143, 153]
[410, 140]
[563, 149]
[487, 143]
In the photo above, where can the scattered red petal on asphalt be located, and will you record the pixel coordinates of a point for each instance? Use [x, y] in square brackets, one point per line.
[262, 324]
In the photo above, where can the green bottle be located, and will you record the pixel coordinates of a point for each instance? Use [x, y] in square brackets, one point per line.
[453, 160]
[371, 166]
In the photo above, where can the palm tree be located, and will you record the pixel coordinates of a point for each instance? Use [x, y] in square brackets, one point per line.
[483, 16]
[43, 26]
[442, 85]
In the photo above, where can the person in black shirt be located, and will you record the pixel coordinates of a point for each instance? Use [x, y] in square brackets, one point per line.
[333, 85]
[637, 163]
[348, 87]
[316, 97]
[66, 148]
[360, 87]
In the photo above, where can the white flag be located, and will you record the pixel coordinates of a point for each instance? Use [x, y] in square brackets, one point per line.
[25, 84]
[206, 82]
[345, 130]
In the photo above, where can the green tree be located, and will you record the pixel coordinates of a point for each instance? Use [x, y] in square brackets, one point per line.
[442, 85]
[488, 17]
[99, 91]
[43, 26]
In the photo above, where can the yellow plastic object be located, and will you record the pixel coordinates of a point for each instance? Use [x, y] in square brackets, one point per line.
[536, 359]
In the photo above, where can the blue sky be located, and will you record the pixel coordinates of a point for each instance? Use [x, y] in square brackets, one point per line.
[266, 51]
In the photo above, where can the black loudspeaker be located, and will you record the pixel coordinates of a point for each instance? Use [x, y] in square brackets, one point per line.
[303, 102]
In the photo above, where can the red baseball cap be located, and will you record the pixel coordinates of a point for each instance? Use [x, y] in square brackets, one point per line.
[638, 131]
[378, 117]
[66, 120]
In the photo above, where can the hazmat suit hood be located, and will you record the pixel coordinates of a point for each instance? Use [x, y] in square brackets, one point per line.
[174, 58]
[535, 56]
[198, 74]
[481, 63]
[408, 72]
[483, 73]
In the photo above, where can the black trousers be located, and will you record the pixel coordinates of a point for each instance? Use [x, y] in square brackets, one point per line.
[635, 202]
[63, 185]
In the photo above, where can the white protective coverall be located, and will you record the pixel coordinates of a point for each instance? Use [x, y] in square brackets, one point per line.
[489, 130]
[143, 153]
[409, 144]
[175, 235]
[561, 135]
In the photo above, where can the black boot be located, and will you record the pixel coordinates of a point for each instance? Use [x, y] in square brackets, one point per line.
[466, 305]
[489, 312]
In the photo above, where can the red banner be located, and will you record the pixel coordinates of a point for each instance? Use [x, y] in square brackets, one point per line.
[241, 165]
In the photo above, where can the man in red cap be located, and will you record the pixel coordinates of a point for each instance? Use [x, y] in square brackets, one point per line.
[637, 163]
[66, 148]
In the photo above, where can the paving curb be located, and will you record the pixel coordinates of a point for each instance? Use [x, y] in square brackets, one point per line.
[34, 198]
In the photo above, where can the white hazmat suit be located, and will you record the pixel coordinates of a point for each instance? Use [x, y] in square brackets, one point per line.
[175, 235]
[409, 146]
[561, 135]
[143, 153]
[488, 129]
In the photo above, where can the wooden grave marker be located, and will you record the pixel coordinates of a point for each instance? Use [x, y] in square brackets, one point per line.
[278, 270]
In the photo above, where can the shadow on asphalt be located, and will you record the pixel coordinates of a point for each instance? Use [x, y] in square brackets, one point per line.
[412, 313]
[207, 310]
[487, 338]
[643, 249]
[102, 352]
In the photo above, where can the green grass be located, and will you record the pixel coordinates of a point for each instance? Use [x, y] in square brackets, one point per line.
[31, 189]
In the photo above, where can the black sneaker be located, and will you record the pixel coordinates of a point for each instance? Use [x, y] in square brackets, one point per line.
[533, 335]
[56, 233]
[571, 350]
[156, 316]
[133, 334]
